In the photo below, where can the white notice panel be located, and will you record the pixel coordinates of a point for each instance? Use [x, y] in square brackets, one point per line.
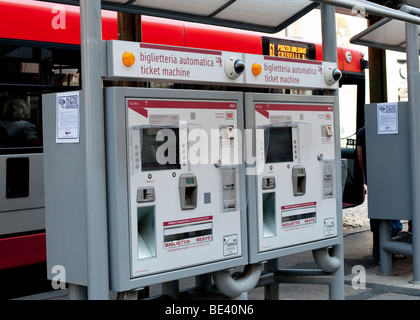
[153, 62]
[68, 117]
[167, 63]
[387, 118]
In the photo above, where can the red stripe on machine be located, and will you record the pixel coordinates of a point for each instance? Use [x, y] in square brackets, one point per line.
[140, 106]
[187, 221]
[263, 108]
[299, 205]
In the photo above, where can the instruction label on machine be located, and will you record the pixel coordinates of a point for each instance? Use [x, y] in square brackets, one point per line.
[230, 245]
[298, 215]
[329, 227]
[181, 234]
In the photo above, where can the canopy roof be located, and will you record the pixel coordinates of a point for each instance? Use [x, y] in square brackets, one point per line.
[386, 34]
[268, 16]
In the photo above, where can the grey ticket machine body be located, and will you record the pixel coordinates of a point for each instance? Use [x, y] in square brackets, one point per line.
[291, 174]
[176, 190]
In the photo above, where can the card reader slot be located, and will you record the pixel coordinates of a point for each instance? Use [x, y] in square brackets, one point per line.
[328, 178]
[229, 189]
[229, 205]
[299, 180]
[188, 191]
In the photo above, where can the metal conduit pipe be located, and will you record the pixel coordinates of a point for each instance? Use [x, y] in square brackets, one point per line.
[266, 278]
[233, 288]
[300, 276]
[410, 9]
[326, 262]
[398, 247]
[370, 7]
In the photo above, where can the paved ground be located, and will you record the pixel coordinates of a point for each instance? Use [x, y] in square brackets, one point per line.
[356, 219]
[363, 280]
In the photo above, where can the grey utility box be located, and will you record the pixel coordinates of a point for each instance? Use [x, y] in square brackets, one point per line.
[388, 161]
[65, 195]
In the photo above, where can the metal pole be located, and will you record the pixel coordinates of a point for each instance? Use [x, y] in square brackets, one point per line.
[385, 256]
[272, 290]
[414, 134]
[77, 292]
[329, 49]
[92, 97]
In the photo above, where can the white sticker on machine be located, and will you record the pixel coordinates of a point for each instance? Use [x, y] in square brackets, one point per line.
[230, 245]
[329, 227]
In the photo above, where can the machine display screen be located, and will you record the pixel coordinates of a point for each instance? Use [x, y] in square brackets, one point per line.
[278, 144]
[159, 149]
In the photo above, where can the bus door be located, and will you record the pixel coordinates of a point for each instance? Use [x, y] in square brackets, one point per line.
[352, 100]
[21, 166]
[28, 71]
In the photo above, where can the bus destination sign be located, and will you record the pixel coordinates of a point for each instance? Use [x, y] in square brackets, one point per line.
[288, 49]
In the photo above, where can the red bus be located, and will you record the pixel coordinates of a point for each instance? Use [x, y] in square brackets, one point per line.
[40, 53]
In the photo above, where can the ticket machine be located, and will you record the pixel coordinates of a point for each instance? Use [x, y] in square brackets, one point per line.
[291, 174]
[176, 184]
[184, 197]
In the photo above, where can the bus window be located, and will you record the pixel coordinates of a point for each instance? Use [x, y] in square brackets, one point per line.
[29, 65]
[28, 72]
[17, 126]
